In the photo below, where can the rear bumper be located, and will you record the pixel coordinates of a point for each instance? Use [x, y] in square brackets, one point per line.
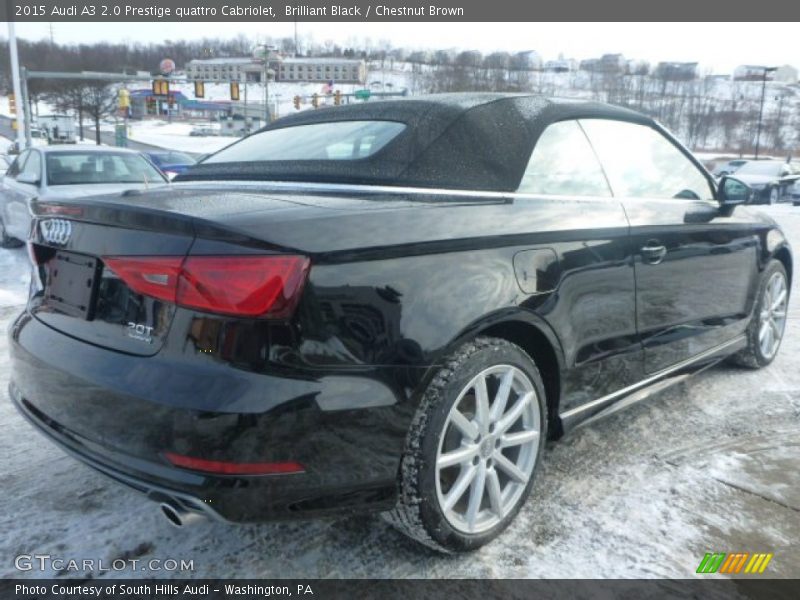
[119, 414]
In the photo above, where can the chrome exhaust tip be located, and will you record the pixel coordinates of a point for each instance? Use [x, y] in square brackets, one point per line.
[178, 516]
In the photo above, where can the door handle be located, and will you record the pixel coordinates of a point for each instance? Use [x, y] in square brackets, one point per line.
[653, 252]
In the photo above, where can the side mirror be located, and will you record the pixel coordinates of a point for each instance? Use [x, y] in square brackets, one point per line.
[28, 178]
[732, 192]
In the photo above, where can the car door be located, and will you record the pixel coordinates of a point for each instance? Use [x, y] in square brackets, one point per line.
[694, 264]
[593, 307]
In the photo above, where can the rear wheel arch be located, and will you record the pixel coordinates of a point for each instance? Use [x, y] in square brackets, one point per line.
[535, 338]
[785, 256]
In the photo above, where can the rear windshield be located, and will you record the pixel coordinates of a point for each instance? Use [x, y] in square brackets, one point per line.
[340, 140]
[169, 158]
[77, 168]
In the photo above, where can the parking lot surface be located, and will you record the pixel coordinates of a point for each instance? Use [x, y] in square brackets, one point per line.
[712, 465]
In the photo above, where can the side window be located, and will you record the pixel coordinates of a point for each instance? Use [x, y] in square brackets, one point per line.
[563, 164]
[640, 162]
[33, 166]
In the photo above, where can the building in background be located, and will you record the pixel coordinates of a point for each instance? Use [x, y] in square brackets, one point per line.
[677, 71]
[339, 70]
[236, 68]
[245, 69]
[143, 103]
[608, 63]
[786, 74]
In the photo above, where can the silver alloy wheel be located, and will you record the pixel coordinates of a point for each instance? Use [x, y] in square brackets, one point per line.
[488, 446]
[772, 319]
[773, 195]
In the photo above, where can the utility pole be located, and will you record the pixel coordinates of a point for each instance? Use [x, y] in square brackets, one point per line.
[20, 101]
[26, 106]
[761, 108]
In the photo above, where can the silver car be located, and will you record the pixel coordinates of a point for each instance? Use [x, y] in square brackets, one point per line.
[58, 172]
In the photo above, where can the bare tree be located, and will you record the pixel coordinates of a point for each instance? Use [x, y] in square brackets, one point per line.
[101, 101]
[71, 97]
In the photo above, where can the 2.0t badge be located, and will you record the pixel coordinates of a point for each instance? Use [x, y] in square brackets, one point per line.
[138, 331]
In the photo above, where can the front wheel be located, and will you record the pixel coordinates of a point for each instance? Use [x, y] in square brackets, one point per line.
[473, 448]
[765, 332]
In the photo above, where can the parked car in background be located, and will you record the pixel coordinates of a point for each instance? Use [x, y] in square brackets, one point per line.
[794, 192]
[171, 162]
[729, 167]
[203, 131]
[61, 172]
[769, 179]
[389, 306]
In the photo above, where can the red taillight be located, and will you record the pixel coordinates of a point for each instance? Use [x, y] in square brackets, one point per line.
[245, 286]
[58, 209]
[150, 276]
[233, 468]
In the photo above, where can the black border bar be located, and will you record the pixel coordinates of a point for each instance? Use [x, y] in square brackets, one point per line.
[755, 588]
[100, 11]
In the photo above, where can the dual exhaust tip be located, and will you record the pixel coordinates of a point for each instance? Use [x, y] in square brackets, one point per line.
[179, 516]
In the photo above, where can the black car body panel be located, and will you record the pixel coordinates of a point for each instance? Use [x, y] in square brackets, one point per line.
[400, 278]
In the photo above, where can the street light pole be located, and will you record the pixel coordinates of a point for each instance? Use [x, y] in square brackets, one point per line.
[267, 52]
[12, 44]
[761, 107]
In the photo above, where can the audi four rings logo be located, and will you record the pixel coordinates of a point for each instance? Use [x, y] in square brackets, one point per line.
[56, 231]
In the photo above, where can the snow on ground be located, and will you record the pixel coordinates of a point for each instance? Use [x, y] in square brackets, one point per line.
[708, 466]
[175, 136]
[14, 277]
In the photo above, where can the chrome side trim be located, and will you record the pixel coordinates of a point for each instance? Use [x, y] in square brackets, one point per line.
[652, 379]
[391, 189]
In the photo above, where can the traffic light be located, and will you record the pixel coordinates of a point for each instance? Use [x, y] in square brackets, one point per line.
[297, 102]
[337, 97]
[160, 87]
[199, 89]
[315, 100]
[124, 99]
[12, 104]
[235, 91]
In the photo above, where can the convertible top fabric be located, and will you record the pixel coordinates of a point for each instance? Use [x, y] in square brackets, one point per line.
[452, 141]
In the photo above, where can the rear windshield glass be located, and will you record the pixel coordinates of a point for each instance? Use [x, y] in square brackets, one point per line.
[173, 158]
[78, 168]
[341, 140]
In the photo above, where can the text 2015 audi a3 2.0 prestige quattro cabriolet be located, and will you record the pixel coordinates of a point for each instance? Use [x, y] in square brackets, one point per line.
[389, 307]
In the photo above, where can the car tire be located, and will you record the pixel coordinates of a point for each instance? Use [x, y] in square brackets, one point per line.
[6, 241]
[430, 508]
[769, 319]
[773, 196]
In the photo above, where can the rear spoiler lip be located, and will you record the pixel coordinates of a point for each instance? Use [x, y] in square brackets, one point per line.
[209, 237]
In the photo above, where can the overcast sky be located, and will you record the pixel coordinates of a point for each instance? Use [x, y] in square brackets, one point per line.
[717, 46]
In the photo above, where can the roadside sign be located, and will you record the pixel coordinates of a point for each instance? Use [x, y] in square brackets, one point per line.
[362, 94]
[121, 136]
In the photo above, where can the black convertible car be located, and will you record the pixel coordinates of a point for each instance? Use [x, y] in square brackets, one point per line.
[388, 307]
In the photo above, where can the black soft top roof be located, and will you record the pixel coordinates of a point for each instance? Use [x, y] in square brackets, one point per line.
[453, 141]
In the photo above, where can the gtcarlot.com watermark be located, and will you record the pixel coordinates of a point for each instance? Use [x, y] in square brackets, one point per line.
[48, 562]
